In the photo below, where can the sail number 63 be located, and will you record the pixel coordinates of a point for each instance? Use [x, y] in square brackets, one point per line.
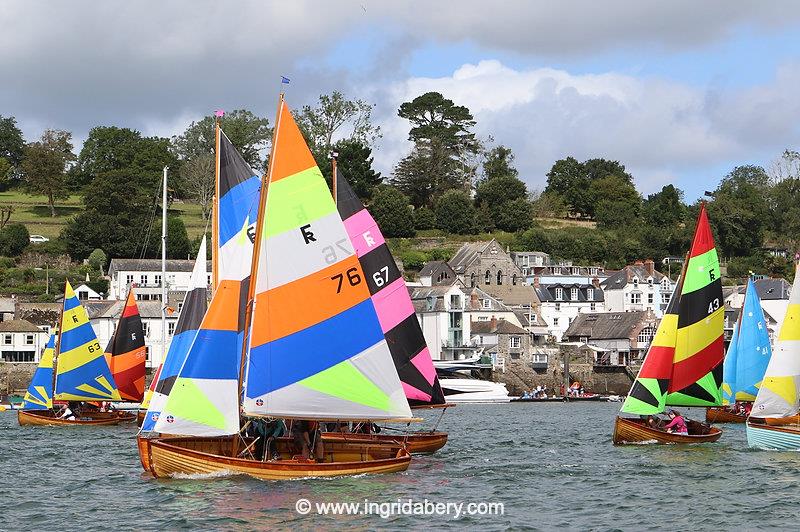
[352, 277]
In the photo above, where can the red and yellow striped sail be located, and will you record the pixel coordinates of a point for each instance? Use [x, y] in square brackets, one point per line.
[126, 352]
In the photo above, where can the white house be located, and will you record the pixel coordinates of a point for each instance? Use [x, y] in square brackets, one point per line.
[21, 341]
[562, 302]
[774, 296]
[637, 287]
[85, 293]
[104, 315]
[146, 275]
[440, 311]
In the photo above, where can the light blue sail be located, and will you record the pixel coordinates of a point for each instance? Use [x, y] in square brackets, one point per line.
[753, 349]
[729, 367]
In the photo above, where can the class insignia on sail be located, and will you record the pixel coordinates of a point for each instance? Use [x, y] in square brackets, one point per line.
[126, 352]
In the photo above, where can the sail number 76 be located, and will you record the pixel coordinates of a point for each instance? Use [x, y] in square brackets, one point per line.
[352, 277]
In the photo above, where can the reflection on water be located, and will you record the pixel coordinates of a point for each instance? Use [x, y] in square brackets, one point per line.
[552, 465]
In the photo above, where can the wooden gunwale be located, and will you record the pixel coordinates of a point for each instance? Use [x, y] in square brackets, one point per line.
[627, 430]
[415, 442]
[723, 415]
[33, 418]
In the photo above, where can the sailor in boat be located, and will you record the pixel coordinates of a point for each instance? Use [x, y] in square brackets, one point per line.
[677, 424]
[307, 436]
[68, 411]
[264, 433]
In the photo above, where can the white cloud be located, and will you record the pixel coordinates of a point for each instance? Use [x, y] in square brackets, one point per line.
[659, 129]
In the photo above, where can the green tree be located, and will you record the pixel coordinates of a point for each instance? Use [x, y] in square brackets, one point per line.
[618, 203]
[336, 116]
[12, 144]
[392, 212]
[178, 244]
[434, 117]
[739, 211]
[107, 148]
[455, 213]
[355, 163]
[45, 165]
[424, 218]
[664, 208]
[513, 215]
[5, 173]
[14, 238]
[427, 173]
[499, 190]
[499, 163]
[197, 175]
[249, 134]
[97, 259]
[572, 181]
[785, 211]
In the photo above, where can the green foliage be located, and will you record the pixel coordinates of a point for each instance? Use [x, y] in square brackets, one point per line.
[424, 218]
[249, 134]
[178, 244]
[413, 259]
[392, 212]
[14, 238]
[785, 211]
[455, 213]
[107, 148]
[355, 164]
[514, 215]
[498, 190]
[45, 165]
[617, 203]
[12, 144]
[98, 259]
[427, 172]
[5, 174]
[572, 180]
[7, 262]
[739, 211]
[665, 208]
[499, 163]
[434, 117]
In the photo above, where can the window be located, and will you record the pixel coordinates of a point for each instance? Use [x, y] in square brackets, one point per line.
[646, 335]
[514, 342]
[455, 301]
[534, 318]
[180, 306]
[514, 279]
[592, 271]
[636, 298]
[170, 327]
[483, 318]
[171, 278]
[665, 284]
[573, 294]
[559, 293]
[28, 339]
[650, 298]
[555, 322]
[143, 279]
[208, 280]
[650, 281]
[592, 307]
[558, 307]
[129, 279]
[584, 339]
[157, 279]
[635, 282]
[472, 280]
[488, 277]
[486, 303]
[499, 277]
[7, 339]
[146, 327]
[590, 294]
[83, 295]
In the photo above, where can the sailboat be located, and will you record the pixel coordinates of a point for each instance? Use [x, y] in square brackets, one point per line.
[683, 365]
[775, 420]
[745, 362]
[312, 344]
[398, 321]
[81, 371]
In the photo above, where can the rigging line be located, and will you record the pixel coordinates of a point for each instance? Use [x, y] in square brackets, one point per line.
[146, 238]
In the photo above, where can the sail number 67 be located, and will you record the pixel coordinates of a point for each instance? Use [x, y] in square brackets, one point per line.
[352, 277]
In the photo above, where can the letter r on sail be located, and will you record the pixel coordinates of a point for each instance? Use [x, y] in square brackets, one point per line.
[368, 238]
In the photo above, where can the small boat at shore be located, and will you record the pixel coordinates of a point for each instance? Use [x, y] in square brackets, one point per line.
[777, 425]
[418, 442]
[592, 397]
[72, 368]
[745, 363]
[295, 337]
[683, 365]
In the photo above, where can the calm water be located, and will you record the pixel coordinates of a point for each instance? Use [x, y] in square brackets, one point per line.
[552, 465]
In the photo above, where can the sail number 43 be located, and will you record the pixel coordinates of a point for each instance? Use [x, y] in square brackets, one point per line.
[352, 277]
[714, 305]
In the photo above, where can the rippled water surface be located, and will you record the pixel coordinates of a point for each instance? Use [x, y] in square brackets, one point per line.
[551, 465]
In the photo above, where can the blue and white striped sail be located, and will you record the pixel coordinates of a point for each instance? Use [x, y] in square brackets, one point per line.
[192, 312]
[40, 392]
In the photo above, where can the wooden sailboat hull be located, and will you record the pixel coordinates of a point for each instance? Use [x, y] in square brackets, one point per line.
[416, 442]
[715, 414]
[140, 415]
[627, 430]
[48, 419]
[170, 457]
[764, 436]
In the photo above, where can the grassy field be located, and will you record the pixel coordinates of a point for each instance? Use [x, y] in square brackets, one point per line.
[34, 212]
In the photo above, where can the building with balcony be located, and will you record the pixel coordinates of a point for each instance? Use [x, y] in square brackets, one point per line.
[146, 275]
[615, 338]
[21, 341]
[562, 302]
[528, 260]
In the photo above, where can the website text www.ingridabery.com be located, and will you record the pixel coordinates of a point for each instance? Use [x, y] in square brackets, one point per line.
[407, 506]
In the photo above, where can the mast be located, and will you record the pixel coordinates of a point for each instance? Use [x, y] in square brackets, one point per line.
[57, 350]
[164, 267]
[251, 289]
[334, 155]
[215, 207]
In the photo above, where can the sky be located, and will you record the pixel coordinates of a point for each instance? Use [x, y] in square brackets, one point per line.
[680, 92]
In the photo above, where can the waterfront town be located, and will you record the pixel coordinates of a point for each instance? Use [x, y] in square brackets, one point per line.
[516, 315]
